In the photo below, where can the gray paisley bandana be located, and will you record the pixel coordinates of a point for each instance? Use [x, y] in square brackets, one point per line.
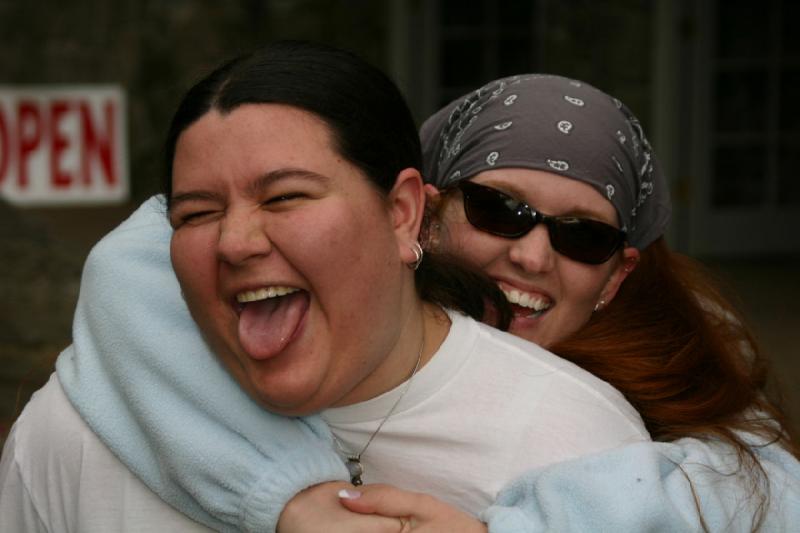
[557, 125]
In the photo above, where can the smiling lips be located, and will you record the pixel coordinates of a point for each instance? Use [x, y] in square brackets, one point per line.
[533, 306]
[270, 318]
[264, 293]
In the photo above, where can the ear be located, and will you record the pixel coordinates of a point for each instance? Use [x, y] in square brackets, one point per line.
[432, 196]
[407, 206]
[430, 233]
[630, 258]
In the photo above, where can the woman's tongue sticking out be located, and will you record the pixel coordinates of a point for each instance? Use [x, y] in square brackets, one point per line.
[267, 326]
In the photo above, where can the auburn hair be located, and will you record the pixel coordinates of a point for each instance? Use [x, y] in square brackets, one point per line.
[684, 358]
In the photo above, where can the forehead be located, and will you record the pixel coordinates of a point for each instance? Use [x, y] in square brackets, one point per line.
[257, 124]
[253, 139]
[550, 193]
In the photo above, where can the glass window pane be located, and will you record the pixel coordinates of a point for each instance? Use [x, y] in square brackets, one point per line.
[462, 62]
[515, 56]
[515, 13]
[790, 100]
[789, 174]
[743, 29]
[741, 101]
[790, 37]
[462, 12]
[739, 176]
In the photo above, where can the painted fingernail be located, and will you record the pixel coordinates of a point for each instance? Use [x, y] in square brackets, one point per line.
[349, 494]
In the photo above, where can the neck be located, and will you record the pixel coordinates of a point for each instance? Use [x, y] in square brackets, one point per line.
[424, 330]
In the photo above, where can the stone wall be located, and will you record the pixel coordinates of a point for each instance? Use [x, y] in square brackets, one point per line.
[38, 289]
[155, 49]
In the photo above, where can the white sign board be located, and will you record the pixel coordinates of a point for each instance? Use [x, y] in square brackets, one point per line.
[63, 145]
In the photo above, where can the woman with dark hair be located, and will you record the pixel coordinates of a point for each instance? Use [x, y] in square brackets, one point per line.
[295, 205]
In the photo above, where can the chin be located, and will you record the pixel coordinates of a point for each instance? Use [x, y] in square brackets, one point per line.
[528, 333]
[288, 405]
[286, 399]
[291, 411]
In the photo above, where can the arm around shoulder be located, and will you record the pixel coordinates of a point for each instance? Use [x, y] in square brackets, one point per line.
[143, 379]
[652, 486]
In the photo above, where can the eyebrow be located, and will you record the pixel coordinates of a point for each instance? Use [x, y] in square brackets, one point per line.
[254, 188]
[188, 196]
[262, 182]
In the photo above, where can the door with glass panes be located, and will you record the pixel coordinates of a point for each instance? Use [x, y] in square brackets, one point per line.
[745, 183]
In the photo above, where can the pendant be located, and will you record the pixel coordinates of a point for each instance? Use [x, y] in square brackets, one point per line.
[355, 469]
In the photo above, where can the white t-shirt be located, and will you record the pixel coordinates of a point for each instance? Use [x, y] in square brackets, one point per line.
[488, 407]
[56, 476]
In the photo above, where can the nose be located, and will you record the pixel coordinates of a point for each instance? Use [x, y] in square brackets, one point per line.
[242, 236]
[532, 252]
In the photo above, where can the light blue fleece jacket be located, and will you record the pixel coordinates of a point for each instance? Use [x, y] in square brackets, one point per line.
[144, 380]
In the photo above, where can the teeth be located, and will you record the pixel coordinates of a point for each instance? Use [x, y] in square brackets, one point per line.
[523, 299]
[264, 293]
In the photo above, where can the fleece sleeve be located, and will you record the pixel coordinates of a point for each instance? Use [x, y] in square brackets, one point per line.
[141, 376]
[675, 486]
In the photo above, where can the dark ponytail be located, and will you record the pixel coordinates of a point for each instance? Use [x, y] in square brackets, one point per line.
[444, 280]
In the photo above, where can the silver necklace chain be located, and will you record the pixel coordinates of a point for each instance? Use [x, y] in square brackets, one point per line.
[354, 466]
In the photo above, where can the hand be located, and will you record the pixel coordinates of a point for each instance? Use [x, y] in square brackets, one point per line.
[317, 509]
[420, 512]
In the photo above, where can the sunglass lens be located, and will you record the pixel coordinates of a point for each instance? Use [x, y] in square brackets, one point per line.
[587, 241]
[497, 213]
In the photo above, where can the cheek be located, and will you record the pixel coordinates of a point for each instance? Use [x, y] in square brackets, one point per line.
[343, 258]
[352, 267]
[194, 262]
[582, 286]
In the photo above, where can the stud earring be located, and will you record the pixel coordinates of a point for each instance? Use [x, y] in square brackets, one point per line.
[601, 304]
[418, 253]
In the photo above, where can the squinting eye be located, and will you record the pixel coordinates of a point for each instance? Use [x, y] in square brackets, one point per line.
[195, 217]
[284, 197]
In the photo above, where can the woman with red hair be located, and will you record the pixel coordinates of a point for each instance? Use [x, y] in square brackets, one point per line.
[556, 156]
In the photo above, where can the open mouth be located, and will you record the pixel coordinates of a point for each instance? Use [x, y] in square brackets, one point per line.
[264, 293]
[526, 304]
[269, 318]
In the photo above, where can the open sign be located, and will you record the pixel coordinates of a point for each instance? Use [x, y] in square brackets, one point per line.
[63, 145]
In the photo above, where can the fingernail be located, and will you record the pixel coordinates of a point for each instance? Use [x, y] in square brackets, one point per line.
[349, 494]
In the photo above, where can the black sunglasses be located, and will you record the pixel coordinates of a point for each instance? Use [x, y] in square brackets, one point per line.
[581, 239]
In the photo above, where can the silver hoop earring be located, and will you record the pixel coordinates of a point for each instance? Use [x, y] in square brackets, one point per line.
[418, 253]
